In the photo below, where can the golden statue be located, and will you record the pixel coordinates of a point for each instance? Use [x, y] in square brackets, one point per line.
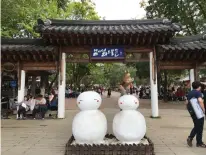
[126, 84]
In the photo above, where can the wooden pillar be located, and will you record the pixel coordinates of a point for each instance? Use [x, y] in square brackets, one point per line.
[33, 86]
[21, 87]
[153, 83]
[192, 77]
[61, 86]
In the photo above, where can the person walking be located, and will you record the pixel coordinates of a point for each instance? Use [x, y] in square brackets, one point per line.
[198, 122]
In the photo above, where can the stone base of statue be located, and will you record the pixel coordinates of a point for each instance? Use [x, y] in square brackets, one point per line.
[110, 146]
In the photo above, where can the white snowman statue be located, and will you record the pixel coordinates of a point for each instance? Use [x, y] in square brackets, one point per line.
[90, 124]
[129, 125]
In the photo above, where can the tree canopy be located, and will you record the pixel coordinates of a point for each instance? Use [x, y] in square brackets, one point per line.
[19, 17]
[190, 13]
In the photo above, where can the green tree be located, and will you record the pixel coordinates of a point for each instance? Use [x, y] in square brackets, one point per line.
[83, 10]
[76, 73]
[19, 17]
[190, 13]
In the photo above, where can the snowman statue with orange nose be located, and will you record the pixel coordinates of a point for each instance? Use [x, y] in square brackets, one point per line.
[129, 125]
[89, 125]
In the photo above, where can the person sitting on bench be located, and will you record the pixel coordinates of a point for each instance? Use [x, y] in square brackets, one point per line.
[40, 106]
[26, 105]
[53, 103]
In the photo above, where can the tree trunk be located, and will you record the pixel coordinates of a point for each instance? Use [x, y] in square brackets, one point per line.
[52, 82]
[165, 86]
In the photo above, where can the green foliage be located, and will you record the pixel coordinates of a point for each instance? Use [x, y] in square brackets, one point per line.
[190, 13]
[110, 74]
[143, 70]
[83, 10]
[19, 17]
[76, 73]
[174, 75]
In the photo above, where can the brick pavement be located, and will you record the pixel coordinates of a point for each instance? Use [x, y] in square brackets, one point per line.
[48, 137]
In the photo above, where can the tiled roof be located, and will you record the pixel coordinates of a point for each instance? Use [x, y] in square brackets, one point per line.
[197, 42]
[24, 48]
[24, 45]
[106, 26]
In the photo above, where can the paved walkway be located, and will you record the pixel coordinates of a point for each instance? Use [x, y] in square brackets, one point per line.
[48, 137]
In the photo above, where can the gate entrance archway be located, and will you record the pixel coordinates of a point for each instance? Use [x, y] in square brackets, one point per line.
[83, 41]
[108, 41]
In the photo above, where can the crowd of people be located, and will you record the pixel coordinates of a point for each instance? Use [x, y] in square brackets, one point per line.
[38, 104]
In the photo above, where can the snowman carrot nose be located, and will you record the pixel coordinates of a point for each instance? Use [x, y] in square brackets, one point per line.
[135, 102]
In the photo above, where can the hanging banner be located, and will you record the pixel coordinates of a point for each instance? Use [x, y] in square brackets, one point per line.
[107, 53]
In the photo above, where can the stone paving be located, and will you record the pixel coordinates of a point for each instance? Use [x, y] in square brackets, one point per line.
[48, 137]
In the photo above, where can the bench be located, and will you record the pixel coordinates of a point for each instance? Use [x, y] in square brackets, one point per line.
[48, 113]
[27, 113]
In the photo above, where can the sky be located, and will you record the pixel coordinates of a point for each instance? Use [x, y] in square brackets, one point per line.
[119, 9]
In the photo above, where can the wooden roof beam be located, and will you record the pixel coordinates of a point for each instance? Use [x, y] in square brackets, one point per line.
[157, 35]
[117, 40]
[144, 38]
[98, 40]
[15, 57]
[65, 41]
[135, 60]
[28, 57]
[77, 60]
[137, 39]
[85, 40]
[34, 68]
[176, 67]
[104, 40]
[111, 39]
[173, 63]
[91, 40]
[58, 41]
[124, 39]
[71, 40]
[130, 39]
[78, 40]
